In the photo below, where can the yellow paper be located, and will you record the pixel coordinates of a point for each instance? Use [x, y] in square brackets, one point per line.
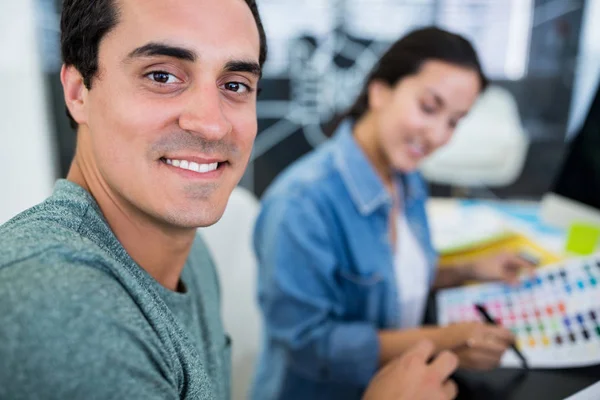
[513, 244]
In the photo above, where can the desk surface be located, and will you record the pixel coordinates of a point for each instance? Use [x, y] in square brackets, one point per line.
[511, 384]
[516, 384]
[520, 216]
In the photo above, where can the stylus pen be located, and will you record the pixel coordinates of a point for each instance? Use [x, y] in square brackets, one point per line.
[482, 310]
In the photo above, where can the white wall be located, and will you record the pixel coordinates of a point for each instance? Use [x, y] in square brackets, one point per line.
[27, 167]
[588, 67]
[230, 243]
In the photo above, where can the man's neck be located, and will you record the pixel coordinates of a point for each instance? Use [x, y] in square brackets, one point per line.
[159, 249]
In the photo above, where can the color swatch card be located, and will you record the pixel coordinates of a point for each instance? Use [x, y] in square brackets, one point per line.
[555, 315]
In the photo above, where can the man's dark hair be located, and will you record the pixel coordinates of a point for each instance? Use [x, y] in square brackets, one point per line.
[84, 23]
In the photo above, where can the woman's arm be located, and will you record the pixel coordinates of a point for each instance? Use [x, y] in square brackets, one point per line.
[477, 345]
[500, 267]
[393, 343]
[455, 275]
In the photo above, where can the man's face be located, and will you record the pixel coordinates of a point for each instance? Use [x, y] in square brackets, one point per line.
[171, 114]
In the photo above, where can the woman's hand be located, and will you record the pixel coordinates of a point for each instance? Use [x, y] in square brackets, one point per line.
[502, 267]
[478, 346]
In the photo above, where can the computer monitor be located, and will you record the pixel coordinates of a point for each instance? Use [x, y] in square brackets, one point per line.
[575, 195]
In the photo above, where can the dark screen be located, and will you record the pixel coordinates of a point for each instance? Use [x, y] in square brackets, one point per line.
[579, 177]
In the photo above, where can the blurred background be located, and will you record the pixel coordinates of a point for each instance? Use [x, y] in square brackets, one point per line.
[541, 53]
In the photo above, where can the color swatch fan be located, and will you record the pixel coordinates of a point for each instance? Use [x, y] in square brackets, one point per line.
[555, 315]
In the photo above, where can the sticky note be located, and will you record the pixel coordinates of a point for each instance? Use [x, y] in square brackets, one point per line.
[583, 238]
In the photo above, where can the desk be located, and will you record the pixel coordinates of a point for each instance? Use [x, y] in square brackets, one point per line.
[514, 384]
[520, 216]
[510, 384]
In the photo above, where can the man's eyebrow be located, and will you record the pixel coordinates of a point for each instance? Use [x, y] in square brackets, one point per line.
[244, 66]
[161, 49]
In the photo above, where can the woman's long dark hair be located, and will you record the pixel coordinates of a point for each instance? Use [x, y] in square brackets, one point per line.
[406, 56]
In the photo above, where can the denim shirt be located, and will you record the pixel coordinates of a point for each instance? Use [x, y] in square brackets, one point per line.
[326, 273]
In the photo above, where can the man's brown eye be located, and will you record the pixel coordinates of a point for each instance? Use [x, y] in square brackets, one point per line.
[237, 87]
[162, 77]
[233, 86]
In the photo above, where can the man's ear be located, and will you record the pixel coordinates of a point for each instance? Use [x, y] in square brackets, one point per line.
[380, 94]
[75, 92]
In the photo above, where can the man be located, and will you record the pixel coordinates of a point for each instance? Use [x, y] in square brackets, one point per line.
[105, 289]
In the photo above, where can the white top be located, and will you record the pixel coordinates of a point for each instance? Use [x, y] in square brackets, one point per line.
[411, 270]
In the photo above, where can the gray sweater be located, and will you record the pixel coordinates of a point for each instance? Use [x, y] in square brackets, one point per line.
[79, 319]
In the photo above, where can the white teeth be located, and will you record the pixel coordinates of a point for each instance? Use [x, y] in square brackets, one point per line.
[192, 166]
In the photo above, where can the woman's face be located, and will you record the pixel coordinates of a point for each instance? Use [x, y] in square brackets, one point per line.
[419, 114]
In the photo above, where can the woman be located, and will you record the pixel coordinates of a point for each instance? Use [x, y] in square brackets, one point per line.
[346, 260]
